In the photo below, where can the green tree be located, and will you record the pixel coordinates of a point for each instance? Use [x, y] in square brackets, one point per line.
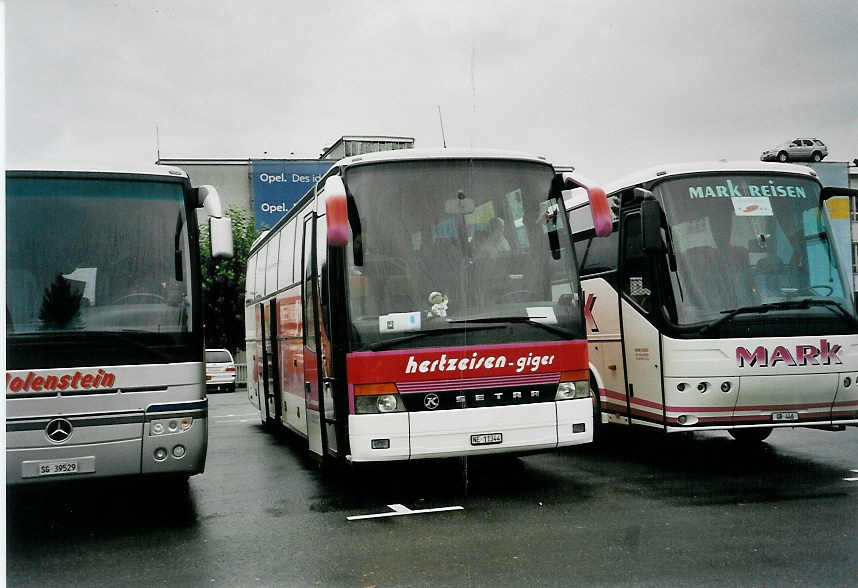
[224, 282]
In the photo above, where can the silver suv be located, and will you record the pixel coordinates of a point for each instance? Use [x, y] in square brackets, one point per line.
[797, 150]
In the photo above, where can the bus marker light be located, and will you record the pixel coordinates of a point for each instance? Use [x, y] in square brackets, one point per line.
[179, 451]
[702, 386]
[847, 381]
[725, 387]
[186, 423]
[380, 443]
[681, 386]
[579, 427]
[160, 454]
[375, 389]
[157, 428]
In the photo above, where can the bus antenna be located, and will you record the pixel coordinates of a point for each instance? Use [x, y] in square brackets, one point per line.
[443, 136]
[157, 145]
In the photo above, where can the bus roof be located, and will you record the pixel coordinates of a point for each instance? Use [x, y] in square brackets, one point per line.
[99, 168]
[439, 153]
[676, 169]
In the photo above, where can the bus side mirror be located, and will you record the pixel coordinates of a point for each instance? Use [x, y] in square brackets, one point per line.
[220, 236]
[337, 212]
[603, 222]
[651, 227]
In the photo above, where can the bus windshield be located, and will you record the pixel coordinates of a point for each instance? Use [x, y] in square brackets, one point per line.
[744, 241]
[456, 252]
[102, 262]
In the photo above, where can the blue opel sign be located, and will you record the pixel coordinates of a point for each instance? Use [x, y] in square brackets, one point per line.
[277, 184]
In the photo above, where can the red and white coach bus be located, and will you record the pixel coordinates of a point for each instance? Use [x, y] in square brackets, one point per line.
[104, 335]
[420, 304]
[720, 301]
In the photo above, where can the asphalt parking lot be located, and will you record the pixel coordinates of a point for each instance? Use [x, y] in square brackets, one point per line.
[639, 509]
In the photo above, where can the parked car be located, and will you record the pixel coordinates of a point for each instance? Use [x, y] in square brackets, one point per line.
[220, 371]
[804, 149]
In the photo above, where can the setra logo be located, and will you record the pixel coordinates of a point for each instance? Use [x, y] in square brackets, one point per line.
[825, 354]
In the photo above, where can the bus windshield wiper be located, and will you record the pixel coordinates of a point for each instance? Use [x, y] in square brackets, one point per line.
[516, 319]
[387, 344]
[782, 305]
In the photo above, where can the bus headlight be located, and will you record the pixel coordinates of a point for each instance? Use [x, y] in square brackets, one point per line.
[386, 403]
[572, 390]
[383, 403]
[377, 398]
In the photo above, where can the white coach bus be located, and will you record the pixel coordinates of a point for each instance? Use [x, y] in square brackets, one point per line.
[720, 302]
[104, 335]
[422, 303]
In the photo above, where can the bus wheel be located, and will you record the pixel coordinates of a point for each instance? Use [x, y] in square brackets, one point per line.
[751, 436]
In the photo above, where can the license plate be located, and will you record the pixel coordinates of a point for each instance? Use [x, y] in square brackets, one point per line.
[784, 416]
[58, 467]
[487, 439]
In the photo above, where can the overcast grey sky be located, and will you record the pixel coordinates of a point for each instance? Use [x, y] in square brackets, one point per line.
[607, 86]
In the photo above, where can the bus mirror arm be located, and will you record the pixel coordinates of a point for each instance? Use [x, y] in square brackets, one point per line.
[208, 198]
[833, 191]
[603, 221]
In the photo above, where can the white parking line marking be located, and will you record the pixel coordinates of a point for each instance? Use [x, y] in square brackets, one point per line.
[235, 421]
[401, 510]
[244, 414]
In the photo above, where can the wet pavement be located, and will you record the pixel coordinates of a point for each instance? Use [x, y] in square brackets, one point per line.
[637, 509]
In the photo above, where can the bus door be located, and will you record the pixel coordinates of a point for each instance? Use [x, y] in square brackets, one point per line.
[316, 433]
[267, 369]
[641, 348]
[272, 359]
[254, 380]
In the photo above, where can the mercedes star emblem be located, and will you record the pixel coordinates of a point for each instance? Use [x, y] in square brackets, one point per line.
[58, 430]
[431, 401]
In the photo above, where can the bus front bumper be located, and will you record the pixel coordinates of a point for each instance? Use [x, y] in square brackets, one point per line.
[470, 431]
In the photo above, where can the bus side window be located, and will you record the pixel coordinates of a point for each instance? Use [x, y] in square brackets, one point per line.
[581, 246]
[637, 280]
[602, 255]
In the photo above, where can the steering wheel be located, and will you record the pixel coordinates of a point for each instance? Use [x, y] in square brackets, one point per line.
[155, 298]
[517, 296]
